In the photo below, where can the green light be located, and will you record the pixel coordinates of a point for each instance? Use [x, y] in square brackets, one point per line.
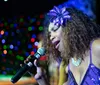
[40, 28]
[21, 20]
[11, 25]
[7, 46]
[29, 28]
[10, 52]
[14, 72]
[16, 63]
[5, 24]
[4, 47]
[19, 57]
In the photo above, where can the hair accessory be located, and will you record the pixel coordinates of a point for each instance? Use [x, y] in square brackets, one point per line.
[60, 15]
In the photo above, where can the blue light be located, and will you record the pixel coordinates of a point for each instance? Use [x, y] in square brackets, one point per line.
[11, 46]
[34, 49]
[33, 19]
[28, 17]
[33, 36]
[6, 33]
[16, 48]
[33, 27]
[12, 34]
[0, 36]
[17, 31]
[81, 5]
[26, 54]
[29, 46]
[8, 69]
[9, 20]
[18, 42]
[3, 41]
[3, 55]
[15, 25]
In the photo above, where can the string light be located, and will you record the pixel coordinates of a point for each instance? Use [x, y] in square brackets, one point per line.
[3, 41]
[2, 32]
[32, 39]
[5, 51]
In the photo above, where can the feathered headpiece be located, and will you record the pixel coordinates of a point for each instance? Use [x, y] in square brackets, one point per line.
[61, 15]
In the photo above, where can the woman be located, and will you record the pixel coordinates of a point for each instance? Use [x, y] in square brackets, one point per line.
[76, 37]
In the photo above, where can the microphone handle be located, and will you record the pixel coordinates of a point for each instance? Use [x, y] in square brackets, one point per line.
[20, 73]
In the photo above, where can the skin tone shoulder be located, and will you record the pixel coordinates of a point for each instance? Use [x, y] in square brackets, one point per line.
[96, 52]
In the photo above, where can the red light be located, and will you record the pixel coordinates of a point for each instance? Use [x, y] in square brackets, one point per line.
[32, 52]
[32, 39]
[41, 16]
[38, 23]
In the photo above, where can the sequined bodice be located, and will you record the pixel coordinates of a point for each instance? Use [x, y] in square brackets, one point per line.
[92, 76]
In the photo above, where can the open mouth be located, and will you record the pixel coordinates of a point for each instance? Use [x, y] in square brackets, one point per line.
[56, 44]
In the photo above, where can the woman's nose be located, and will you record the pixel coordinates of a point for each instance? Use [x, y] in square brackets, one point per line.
[52, 37]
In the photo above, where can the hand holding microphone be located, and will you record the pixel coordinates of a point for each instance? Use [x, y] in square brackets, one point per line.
[40, 52]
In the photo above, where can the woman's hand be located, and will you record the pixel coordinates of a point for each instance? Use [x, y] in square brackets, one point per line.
[37, 71]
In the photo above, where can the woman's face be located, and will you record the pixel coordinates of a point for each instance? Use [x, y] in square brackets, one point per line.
[56, 36]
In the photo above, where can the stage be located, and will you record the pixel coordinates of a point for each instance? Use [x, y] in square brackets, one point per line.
[6, 80]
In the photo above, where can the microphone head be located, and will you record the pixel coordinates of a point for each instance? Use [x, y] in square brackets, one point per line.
[41, 51]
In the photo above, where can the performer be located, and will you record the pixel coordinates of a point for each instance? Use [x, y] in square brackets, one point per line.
[72, 36]
[76, 37]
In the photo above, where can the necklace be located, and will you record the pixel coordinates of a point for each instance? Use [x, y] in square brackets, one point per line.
[76, 62]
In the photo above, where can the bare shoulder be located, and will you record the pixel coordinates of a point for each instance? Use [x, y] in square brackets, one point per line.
[96, 42]
[96, 46]
[96, 52]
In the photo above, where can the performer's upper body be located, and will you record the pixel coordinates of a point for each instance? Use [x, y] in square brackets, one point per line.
[76, 38]
[72, 36]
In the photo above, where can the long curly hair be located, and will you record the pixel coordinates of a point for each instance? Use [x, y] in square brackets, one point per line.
[77, 35]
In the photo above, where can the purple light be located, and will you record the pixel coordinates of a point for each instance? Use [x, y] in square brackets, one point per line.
[36, 43]
[3, 55]
[11, 46]
[4, 73]
[28, 17]
[3, 41]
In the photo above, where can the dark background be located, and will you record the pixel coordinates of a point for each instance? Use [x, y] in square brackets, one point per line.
[26, 7]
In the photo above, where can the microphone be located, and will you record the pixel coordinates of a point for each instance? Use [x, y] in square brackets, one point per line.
[40, 52]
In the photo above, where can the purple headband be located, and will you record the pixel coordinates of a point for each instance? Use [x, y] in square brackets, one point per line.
[60, 14]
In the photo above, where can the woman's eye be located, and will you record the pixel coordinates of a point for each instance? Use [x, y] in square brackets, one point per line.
[55, 29]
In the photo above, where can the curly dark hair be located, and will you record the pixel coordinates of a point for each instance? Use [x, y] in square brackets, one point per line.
[77, 35]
